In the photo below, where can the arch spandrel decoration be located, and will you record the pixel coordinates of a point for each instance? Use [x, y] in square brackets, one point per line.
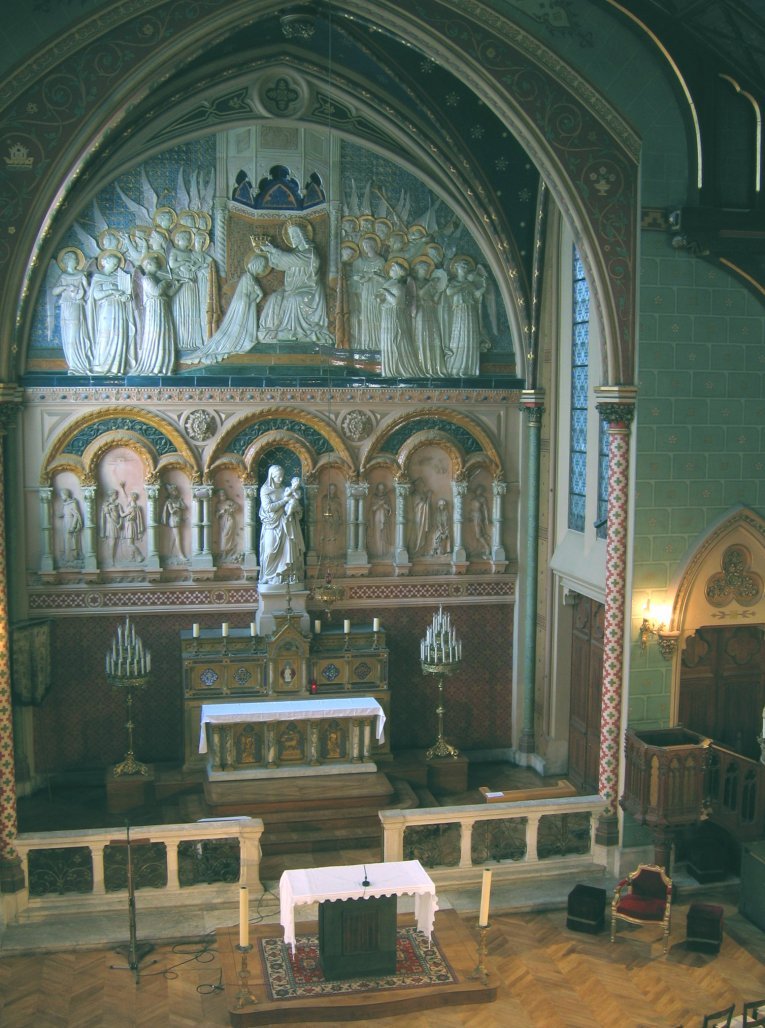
[465, 433]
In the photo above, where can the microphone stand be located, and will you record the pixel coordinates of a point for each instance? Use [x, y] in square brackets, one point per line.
[134, 951]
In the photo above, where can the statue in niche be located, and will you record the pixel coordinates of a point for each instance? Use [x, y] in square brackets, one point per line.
[111, 523]
[133, 526]
[297, 311]
[380, 522]
[186, 269]
[464, 293]
[238, 332]
[110, 316]
[397, 350]
[282, 549]
[228, 529]
[421, 511]
[173, 515]
[331, 508]
[442, 535]
[335, 744]
[478, 519]
[249, 746]
[71, 289]
[369, 277]
[71, 516]
[291, 746]
[429, 284]
[156, 349]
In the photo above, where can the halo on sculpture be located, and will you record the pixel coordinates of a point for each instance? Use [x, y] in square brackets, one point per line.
[156, 255]
[305, 227]
[424, 259]
[165, 210]
[204, 220]
[105, 234]
[261, 258]
[401, 261]
[397, 238]
[110, 253]
[366, 219]
[350, 246]
[81, 261]
[436, 246]
[417, 231]
[204, 236]
[461, 258]
[384, 221]
[188, 217]
[179, 230]
[375, 237]
[350, 223]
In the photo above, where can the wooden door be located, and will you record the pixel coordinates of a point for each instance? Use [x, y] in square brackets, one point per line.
[722, 686]
[586, 691]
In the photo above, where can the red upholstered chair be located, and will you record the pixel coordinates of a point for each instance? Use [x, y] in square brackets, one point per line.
[643, 897]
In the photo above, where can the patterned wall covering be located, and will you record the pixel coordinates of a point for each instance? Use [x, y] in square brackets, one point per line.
[81, 721]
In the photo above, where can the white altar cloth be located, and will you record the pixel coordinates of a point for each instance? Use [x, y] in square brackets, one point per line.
[289, 710]
[396, 878]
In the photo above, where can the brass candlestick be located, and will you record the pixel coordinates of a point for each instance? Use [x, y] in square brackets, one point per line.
[440, 748]
[244, 998]
[129, 766]
[440, 654]
[480, 973]
[127, 667]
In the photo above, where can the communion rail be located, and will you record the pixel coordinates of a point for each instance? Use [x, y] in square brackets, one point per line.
[86, 870]
[518, 839]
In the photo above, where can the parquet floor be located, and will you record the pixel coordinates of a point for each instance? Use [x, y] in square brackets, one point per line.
[547, 976]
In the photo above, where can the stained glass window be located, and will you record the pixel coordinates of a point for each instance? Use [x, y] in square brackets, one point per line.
[580, 352]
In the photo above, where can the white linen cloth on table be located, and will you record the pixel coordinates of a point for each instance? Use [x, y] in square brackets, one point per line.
[289, 710]
[396, 878]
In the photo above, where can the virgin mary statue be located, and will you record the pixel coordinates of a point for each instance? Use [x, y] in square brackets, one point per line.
[282, 549]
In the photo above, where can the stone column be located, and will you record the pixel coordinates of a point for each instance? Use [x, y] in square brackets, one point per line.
[497, 549]
[152, 527]
[90, 528]
[357, 551]
[401, 560]
[11, 873]
[616, 405]
[250, 521]
[46, 529]
[459, 557]
[202, 556]
[531, 404]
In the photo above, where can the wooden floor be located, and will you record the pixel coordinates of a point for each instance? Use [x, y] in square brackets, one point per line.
[546, 976]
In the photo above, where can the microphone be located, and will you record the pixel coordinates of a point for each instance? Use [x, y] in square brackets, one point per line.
[366, 883]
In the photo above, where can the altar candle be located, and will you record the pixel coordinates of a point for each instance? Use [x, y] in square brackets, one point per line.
[253, 629]
[483, 916]
[195, 630]
[375, 624]
[763, 722]
[317, 627]
[224, 629]
[346, 626]
[244, 916]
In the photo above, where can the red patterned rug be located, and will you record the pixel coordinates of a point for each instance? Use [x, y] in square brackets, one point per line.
[299, 975]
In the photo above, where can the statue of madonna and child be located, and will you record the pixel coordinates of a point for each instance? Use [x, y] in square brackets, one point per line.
[282, 549]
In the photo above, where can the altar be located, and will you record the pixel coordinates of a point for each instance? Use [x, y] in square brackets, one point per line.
[272, 739]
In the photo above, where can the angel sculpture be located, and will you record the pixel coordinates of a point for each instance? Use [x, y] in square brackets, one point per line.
[397, 349]
[464, 293]
[367, 279]
[110, 316]
[429, 283]
[71, 290]
[156, 346]
[186, 266]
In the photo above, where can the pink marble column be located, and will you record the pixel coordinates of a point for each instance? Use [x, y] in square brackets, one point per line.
[616, 405]
[11, 877]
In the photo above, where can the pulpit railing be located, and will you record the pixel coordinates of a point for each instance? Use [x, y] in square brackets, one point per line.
[736, 793]
[176, 864]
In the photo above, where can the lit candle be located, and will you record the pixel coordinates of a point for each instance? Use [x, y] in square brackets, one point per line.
[244, 916]
[317, 627]
[376, 625]
[763, 722]
[224, 629]
[346, 626]
[195, 630]
[253, 629]
[483, 915]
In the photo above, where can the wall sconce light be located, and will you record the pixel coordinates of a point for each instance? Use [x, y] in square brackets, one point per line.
[654, 625]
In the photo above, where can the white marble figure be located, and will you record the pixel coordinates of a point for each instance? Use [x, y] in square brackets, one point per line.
[478, 519]
[442, 536]
[185, 266]
[71, 516]
[429, 284]
[397, 350]
[368, 278]
[228, 529]
[282, 548]
[111, 523]
[380, 522]
[173, 515]
[420, 526]
[297, 311]
[71, 292]
[238, 332]
[133, 526]
[206, 276]
[156, 347]
[110, 316]
[464, 293]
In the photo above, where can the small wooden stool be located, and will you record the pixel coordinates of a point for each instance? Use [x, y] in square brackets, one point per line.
[586, 909]
[704, 927]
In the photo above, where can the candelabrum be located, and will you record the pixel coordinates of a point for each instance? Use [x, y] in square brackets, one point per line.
[480, 973]
[440, 655]
[245, 996]
[127, 668]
